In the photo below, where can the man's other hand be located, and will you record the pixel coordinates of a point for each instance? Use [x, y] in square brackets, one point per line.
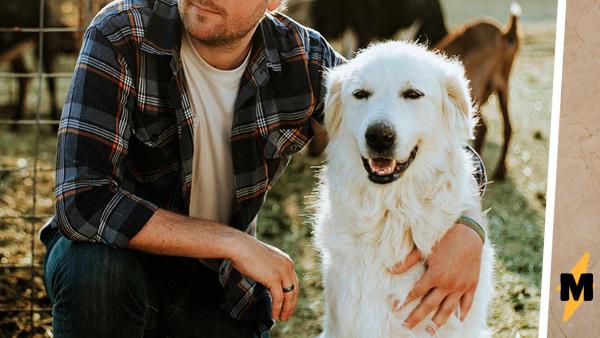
[450, 279]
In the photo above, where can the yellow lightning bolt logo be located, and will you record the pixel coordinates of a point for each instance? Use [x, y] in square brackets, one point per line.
[572, 305]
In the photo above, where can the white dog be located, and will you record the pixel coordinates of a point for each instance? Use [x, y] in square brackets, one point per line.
[398, 176]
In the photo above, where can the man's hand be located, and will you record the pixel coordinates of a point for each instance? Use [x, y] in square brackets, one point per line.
[272, 268]
[450, 279]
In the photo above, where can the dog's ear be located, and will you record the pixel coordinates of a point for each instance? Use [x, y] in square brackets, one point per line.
[458, 106]
[333, 102]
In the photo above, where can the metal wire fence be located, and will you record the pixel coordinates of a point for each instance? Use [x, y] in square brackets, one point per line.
[24, 307]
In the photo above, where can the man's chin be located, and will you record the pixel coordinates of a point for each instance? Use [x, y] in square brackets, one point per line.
[210, 34]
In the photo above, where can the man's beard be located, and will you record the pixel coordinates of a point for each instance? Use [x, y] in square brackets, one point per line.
[229, 32]
[227, 38]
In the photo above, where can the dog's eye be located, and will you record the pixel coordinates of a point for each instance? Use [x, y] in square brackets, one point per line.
[361, 94]
[412, 94]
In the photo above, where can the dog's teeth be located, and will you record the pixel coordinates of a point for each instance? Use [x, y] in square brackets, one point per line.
[382, 166]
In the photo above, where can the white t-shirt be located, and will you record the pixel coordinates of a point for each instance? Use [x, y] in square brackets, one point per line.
[212, 94]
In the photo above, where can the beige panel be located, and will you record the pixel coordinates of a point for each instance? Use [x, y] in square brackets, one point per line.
[577, 206]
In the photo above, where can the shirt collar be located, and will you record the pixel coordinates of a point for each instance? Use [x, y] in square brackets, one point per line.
[163, 33]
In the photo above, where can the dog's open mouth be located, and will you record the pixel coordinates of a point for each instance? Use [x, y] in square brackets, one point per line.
[383, 170]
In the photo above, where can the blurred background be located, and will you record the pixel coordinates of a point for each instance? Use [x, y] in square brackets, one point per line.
[30, 104]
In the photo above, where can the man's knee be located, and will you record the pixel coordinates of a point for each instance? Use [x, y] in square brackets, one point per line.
[92, 282]
[91, 269]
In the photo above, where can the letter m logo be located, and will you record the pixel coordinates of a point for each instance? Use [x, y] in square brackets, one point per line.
[569, 286]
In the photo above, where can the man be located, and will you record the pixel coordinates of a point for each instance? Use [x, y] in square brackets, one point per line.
[180, 117]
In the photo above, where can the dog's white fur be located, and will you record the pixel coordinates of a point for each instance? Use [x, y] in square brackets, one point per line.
[363, 228]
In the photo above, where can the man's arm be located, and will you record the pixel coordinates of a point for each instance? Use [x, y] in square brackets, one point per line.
[171, 234]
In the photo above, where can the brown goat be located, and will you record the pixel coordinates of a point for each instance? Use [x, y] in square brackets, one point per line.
[487, 52]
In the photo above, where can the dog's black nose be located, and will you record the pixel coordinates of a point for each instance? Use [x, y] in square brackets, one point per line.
[380, 137]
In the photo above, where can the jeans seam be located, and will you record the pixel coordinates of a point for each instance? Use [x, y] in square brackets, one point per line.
[51, 283]
[149, 309]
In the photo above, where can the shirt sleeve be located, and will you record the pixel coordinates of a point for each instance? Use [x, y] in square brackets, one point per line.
[93, 137]
[329, 59]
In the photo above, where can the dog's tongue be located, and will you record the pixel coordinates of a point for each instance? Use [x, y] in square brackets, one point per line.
[382, 166]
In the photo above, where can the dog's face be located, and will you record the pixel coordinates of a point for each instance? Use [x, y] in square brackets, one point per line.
[393, 99]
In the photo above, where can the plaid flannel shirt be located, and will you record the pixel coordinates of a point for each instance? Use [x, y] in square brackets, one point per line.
[125, 137]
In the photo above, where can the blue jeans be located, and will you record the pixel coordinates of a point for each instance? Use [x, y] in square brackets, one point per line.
[99, 291]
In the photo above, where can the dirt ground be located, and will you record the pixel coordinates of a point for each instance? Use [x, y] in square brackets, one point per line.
[515, 206]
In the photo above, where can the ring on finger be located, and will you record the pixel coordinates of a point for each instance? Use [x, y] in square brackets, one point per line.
[288, 289]
[432, 329]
